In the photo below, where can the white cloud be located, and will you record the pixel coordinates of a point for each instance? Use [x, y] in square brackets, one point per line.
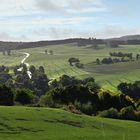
[15, 7]
[116, 31]
[71, 6]
[4, 36]
[48, 19]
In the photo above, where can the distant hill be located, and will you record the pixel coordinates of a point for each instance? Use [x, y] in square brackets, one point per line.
[127, 37]
[23, 45]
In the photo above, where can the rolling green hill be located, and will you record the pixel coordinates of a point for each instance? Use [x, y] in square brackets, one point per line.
[23, 123]
[108, 76]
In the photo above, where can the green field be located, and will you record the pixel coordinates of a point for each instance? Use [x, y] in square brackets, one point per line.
[23, 123]
[108, 76]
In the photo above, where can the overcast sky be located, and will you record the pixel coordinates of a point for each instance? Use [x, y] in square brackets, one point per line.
[30, 20]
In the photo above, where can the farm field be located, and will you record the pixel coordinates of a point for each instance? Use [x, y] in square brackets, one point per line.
[24, 123]
[108, 76]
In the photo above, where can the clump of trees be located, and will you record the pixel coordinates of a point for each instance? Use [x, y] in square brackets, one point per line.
[126, 113]
[6, 51]
[116, 57]
[130, 89]
[50, 52]
[89, 41]
[110, 60]
[75, 62]
[120, 54]
[38, 81]
[85, 100]
[65, 81]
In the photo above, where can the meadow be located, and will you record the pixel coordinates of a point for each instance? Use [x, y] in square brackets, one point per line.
[108, 76]
[26, 123]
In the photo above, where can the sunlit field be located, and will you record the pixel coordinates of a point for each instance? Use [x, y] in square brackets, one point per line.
[108, 76]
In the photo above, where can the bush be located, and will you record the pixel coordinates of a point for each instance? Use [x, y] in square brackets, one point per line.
[24, 96]
[87, 108]
[128, 113]
[46, 100]
[110, 113]
[6, 96]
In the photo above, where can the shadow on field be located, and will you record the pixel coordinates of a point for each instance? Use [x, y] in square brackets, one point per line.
[5, 128]
[72, 123]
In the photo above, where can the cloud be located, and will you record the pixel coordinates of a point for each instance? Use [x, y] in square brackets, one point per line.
[15, 7]
[4, 36]
[116, 31]
[71, 6]
[106, 32]
[48, 19]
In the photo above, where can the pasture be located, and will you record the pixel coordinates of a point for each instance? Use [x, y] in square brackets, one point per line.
[24, 123]
[108, 76]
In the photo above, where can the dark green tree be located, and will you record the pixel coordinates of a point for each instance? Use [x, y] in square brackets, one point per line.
[24, 96]
[6, 96]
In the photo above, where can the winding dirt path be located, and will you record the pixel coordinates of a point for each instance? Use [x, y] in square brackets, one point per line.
[27, 64]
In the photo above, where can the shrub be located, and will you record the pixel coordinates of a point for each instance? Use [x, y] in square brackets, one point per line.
[110, 113]
[46, 100]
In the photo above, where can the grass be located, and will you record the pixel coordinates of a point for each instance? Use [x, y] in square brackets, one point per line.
[108, 76]
[12, 60]
[23, 123]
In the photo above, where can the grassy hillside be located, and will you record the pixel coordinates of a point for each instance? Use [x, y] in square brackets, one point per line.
[108, 76]
[22, 123]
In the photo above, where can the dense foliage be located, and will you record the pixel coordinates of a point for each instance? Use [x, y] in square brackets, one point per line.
[76, 95]
[117, 57]
[130, 89]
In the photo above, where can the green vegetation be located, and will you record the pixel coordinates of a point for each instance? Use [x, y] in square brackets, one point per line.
[108, 76]
[24, 123]
[52, 76]
[84, 96]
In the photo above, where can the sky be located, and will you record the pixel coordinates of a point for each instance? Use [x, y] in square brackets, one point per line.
[33, 20]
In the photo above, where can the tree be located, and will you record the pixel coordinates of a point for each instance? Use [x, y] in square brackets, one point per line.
[24, 96]
[40, 82]
[3, 52]
[32, 69]
[6, 96]
[107, 61]
[8, 52]
[46, 52]
[73, 61]
[98, 61]
[41, 69]
[123, 87]
[137, 56]
[51, 52]
[7, 70]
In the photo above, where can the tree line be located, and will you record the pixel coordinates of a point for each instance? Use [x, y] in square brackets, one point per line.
[75, 95]
[117, 57]
[121, 54]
